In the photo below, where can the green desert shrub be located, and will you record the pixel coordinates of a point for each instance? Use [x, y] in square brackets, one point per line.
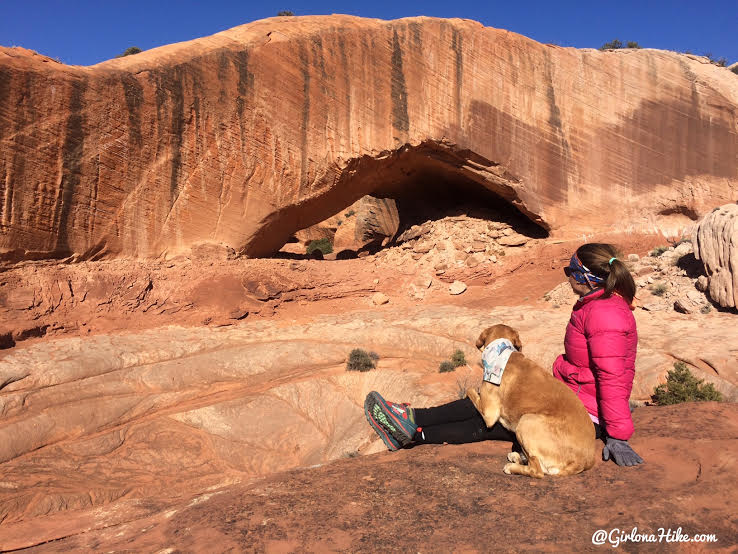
[617, 44]
[130, 51]
[658, 251]
[706, 309]
[659, 289]
[324, 245]
[682, 386]
[446, 367]
[721, 61]
[349, 213]
[612, 45]
[361, 360]
[284, 13]
[458, 358]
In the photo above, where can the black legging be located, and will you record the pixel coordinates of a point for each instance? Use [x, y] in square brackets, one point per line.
[459, 422]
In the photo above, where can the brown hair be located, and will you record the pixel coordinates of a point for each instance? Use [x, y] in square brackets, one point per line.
[596, 257]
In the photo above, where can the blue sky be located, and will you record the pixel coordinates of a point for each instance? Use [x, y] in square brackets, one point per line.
[85, 32]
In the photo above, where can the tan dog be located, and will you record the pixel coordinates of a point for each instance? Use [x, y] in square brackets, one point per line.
[550, 422]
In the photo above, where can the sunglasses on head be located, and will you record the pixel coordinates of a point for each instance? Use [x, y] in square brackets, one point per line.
[568, 270]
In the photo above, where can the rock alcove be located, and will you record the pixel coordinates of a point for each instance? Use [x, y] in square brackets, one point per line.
[383, 198]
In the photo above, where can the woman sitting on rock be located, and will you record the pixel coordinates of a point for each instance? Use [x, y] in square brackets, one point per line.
[598, 365]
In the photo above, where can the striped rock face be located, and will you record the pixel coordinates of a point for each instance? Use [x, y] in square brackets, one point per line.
[716, 244]
[252, 134]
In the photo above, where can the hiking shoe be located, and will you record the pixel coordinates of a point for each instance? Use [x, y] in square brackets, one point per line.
[397, 419]
[377, 419]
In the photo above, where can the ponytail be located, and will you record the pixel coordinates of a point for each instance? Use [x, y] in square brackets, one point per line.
[603, 260]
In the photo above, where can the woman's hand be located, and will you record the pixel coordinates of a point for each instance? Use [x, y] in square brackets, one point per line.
[621, 452]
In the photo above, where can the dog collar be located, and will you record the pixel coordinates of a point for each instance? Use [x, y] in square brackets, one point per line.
[494, 359]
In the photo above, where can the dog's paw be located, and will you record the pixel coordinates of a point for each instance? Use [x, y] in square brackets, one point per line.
[508, 468]
[518, 457]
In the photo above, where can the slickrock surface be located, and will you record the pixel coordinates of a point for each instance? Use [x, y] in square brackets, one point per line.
[249, 135]
[100, 430]
[444, 499]
[716, 240]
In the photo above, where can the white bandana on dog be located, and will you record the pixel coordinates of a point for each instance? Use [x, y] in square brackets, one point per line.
[494, 359]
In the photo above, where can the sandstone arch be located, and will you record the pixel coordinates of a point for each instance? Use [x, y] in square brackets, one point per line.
[402, 173]
[218, 138]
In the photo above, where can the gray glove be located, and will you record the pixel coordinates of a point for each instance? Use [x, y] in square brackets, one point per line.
[621, 452]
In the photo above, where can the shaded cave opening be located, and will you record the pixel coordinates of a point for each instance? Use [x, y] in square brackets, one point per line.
[380, 199]
[431, 195]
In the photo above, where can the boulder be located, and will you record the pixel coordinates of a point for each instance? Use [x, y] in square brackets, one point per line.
[379, 299]
[423, 247]
[716, 243]
[473, 260]
[513, 239]
[702, 283]
[478, 246]
[414, 232]
[457, 287]
[682, 249]
[376, 218]
[695, 296]
[368, 220]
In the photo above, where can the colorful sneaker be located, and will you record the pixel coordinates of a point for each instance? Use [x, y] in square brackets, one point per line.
[397, 419]
[381, 425]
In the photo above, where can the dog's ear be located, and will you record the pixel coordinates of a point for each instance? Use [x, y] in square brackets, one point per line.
[481, 341]
[516, 341]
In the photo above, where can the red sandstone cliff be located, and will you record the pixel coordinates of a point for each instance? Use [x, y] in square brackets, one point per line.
[246, 136]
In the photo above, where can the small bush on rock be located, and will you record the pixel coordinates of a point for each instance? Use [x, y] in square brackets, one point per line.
[617, 44]
[659, 289]
[721, 61]
[446, 367]
[130, 51]
[612, 45]
[361, 360]
[682, 386]
[705, 309]
[324, 245]
[658, 251]
[458, 359]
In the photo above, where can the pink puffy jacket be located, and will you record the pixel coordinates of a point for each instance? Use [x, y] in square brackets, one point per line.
[599, 364]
